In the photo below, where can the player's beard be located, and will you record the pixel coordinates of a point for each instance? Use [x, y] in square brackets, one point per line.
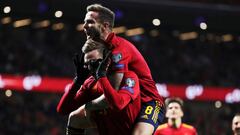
[93, 32]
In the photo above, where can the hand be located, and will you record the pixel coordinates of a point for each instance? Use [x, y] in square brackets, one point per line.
[81, 72]
[103, 66]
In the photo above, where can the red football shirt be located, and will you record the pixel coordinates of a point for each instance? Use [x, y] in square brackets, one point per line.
[184, 129]
[125, 105]
[74, 97]
[127, 57]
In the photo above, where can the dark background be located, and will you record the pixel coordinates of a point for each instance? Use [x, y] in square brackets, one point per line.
[207, 59]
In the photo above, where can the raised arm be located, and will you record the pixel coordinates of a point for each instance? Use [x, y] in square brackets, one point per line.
[100, 102]
[69, 101]
[117, 99]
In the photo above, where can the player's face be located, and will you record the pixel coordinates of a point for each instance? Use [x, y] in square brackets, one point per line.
[92, 27]
[92, 59]
[174, 111]
[236, 125]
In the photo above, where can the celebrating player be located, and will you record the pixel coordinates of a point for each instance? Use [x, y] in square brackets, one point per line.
[99, 21]
[124, 104]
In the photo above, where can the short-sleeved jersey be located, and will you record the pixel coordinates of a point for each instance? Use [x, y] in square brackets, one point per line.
[121, 121]
[184, 129]
[125, 56]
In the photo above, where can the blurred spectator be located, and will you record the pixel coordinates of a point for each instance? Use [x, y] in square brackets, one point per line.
[174, 125]
[236, 124]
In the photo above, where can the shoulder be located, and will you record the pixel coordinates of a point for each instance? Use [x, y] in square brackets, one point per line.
[190, 127]
[163, 126]
[119, 42]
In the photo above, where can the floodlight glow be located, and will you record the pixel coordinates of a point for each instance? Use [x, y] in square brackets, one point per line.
[203, 26]
[58, 14]
[156, 22]
[7, 9]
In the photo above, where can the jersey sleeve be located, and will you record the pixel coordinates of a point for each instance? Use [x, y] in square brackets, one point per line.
[160, 129]
[190, 128]
[195, 131]
[75, 97]
[119, 99]
[120, 60]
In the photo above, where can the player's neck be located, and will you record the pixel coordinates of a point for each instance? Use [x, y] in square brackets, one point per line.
[105, 35]
[175, 123]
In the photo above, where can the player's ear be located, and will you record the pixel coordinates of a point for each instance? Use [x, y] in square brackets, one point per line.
[167, 114]
[181, 114]
[106, 25]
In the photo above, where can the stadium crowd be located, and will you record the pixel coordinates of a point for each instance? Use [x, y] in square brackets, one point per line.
[47, 52]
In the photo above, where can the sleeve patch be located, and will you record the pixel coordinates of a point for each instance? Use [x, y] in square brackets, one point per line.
[118, 66]
[116, 57]
[129, 84]
[188, 126]
[128, 89]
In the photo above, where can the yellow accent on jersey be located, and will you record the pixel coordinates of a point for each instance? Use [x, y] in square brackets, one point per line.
[162, 126]
[144, 117]
[187, 126]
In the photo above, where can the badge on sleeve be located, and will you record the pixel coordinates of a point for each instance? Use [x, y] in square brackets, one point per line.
[116, 57]
[130, 83]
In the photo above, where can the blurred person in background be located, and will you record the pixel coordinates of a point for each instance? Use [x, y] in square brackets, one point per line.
[99, 22]
[174, 125]
[236, 124]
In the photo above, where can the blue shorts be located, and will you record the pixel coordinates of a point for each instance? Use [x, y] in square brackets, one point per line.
[152, 112]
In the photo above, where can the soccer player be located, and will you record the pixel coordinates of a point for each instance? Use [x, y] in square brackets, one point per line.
[124, 104]
[174, 114]
[99, 21]
[236, 124]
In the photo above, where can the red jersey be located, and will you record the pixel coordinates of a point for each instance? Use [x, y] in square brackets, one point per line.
[125, 105]
[74, 97]
[184, 129]
[127, 57]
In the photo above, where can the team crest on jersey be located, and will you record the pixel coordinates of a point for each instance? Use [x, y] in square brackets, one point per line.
[116, 57]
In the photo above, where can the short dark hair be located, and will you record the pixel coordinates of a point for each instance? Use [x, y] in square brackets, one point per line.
[174, 100]
[105, 14]
[237, 114]
[91, 45]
